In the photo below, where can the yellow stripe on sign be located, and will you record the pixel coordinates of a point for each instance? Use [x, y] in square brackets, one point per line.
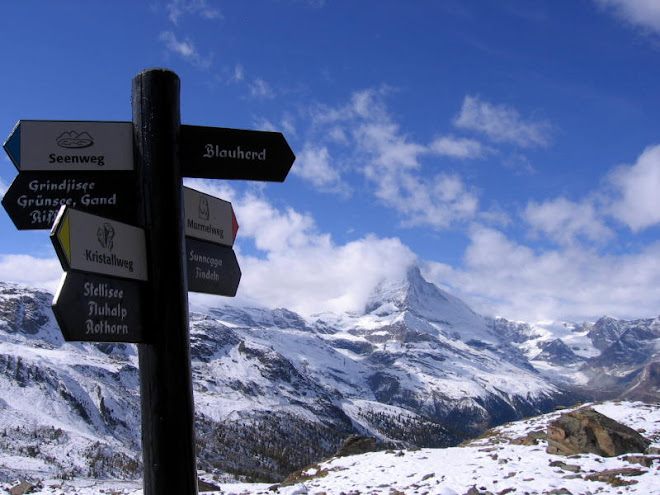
[64, 236]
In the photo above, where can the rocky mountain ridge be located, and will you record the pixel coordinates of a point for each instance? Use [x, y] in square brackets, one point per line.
[275, 391]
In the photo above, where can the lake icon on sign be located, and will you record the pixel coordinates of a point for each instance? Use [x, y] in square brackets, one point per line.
[75, 140]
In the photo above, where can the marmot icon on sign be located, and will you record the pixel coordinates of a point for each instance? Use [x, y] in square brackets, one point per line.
[203, 208]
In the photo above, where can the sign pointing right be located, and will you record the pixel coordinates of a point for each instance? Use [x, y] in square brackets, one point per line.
[212, 269]
[209, 218]
[220, 153]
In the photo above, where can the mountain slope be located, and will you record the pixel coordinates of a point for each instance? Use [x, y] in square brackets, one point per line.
[503, 461]
[275, 391]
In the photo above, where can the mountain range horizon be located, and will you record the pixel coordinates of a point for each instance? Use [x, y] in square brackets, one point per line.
[275, 391]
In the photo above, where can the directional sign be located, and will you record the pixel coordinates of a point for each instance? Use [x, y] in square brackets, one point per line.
[34, 198]
[90, 243]
[209, 218]
[93, 308]
[212, 269]
[71, 145]
[219, 153]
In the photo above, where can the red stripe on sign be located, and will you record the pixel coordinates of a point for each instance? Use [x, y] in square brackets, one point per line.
[234, 224]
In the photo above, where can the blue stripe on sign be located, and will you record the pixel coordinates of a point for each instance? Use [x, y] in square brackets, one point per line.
[13, 145]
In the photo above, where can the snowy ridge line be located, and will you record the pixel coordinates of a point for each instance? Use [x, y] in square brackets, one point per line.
[275, 391]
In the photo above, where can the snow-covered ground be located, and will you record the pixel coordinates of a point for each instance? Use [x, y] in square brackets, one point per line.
[492, 464]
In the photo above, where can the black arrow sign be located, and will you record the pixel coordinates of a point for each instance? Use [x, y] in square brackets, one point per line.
[34, 198]
[220, 153]
[212, 269]
[93, 308]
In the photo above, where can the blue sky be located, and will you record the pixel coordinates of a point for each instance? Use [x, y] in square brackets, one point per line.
[510, 148]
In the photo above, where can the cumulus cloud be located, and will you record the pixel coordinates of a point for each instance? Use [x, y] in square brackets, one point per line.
[261, 89]
[502, 123]
[302, 268]
[44, 273]
[239, 73]
[317, 166]
[566, 222]
[325, 277]
[503, 277]
[637, 201]
[455, 147]
[367, 141]
[185, 49]
[3, 187]
[642, 13]
[178, 8]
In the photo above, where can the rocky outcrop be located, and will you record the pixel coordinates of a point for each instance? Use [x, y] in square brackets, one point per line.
[588, 431]
[356, 444]
[557, 352]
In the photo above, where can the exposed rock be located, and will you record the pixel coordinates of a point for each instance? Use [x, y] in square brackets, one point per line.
[23, 488]
[646, 386]
[356, 444]
[205, 486]
[642, 460]
[605, 332]
[574, 468]
[612, 476]
[556, 352]
[587, 431]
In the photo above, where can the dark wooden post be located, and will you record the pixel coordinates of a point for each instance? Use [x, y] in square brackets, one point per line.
[168, 437]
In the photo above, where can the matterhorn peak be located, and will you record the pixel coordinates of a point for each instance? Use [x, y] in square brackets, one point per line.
[414, 294]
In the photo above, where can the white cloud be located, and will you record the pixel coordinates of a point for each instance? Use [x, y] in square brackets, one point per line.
[455, 147]
[3, 187]
[178, 8]
[365, 139]
[502, 123]
[44, 273]
[637, 201]
[185, 49]
[302, 268]
[503, 277]
[324, 277]
[261, 89]
[565, 222]
[643, 13]
[316, 166]
[239, 73]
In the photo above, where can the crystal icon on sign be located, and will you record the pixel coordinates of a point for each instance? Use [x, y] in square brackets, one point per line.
[106, 236]
[74, 139]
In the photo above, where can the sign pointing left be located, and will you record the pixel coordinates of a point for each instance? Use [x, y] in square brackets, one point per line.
[94, 308]
[89, 243]
[71, 145]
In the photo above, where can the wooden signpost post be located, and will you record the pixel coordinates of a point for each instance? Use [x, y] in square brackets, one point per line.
[112, 193]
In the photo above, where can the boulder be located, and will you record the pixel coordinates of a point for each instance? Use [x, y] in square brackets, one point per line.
[23, 488]
[588, 431]
[356, 444]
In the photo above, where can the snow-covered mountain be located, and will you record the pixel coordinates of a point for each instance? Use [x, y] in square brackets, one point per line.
[512, 458]
[275, 391]
[606, 359]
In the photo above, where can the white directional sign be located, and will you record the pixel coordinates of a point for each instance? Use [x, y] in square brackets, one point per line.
[93, 244]
[209, 218]
[71, 145]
